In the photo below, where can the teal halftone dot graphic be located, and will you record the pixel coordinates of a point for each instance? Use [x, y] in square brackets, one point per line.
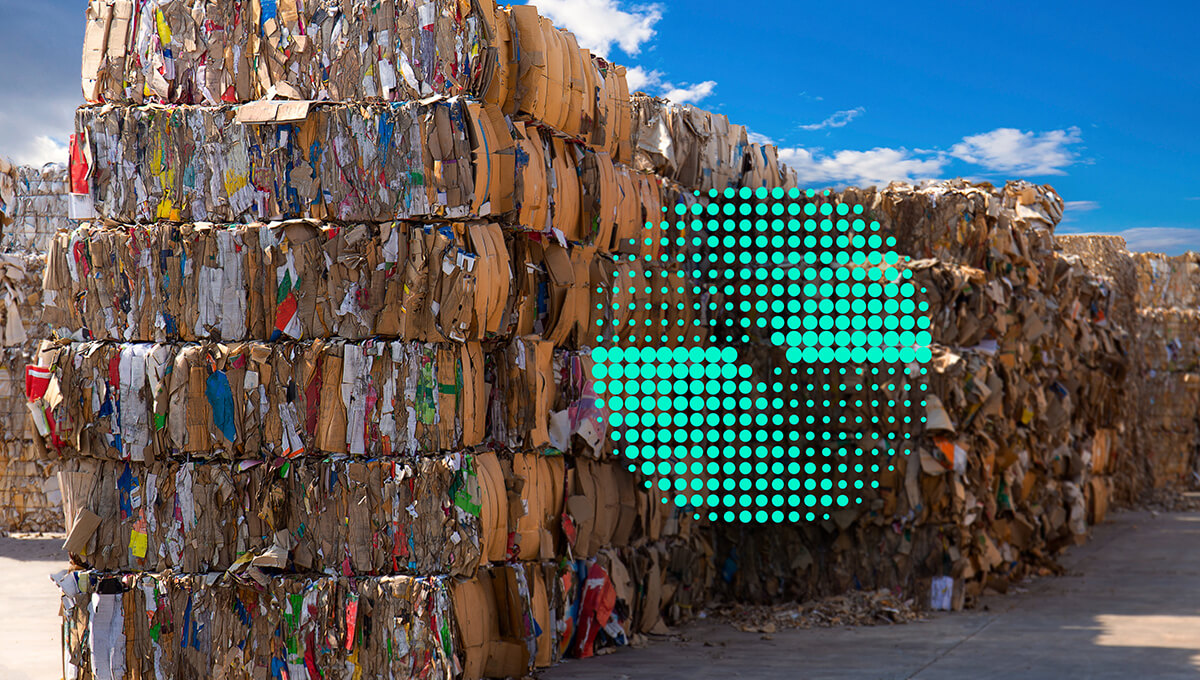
[763, 360]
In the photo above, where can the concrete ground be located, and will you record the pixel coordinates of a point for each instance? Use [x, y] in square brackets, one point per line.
[29, 630]
[1129, 609]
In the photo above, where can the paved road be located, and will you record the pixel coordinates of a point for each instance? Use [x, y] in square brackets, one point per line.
[1130, 609]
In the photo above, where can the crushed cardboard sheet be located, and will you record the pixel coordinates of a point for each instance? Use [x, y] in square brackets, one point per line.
[9, 181]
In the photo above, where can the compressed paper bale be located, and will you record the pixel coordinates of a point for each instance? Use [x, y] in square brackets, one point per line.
[418, 516]
[408, 51]
[287, 280]
[37, 205]
[525, 392]
[496, 621]
[327, 161]
[698, 149]
[256, 401]
[163, 626]
[1168, 282]
[1030, 373]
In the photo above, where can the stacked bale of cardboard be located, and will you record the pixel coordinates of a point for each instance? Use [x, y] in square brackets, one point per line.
[382, 375]
[1164, 399]
[41, 208]
[29, 495]
[270, 430]
[702, 150]
[1167, 396]
[33, 205]
[1022, 410]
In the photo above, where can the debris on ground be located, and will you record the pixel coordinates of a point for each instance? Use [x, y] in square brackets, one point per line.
[1169, 500]
[858, 608]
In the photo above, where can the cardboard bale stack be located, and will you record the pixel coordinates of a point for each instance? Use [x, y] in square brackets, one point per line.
[1165, 396]
[1022, 412]
[36, 209]
[352, 301]
[41, 208]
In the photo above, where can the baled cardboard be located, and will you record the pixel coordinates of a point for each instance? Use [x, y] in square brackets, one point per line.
[150, 624]
[225, 51]
[253, 400]
[423, 516]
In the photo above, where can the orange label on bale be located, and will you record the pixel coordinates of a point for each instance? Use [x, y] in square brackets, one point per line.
[947, 448]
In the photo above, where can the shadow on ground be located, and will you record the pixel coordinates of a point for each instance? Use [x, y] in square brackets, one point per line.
[1129, 608]
[33, 548]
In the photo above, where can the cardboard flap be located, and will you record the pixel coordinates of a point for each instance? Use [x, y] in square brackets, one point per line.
[494, 516]
[82, 527]
[558, 261]
[272, 112]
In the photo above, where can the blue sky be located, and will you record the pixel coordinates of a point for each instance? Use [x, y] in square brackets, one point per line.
[1101, 101]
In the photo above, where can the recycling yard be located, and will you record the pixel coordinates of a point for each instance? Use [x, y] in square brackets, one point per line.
[413, 339]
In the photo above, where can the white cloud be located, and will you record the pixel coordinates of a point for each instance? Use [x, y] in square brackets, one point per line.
[36, 133]
[42, 150]
[639, 78]
[1012, 151]
[1168, 240]
[655, 82]
[1005, 150]
[876, 166]
[689, 94]
[755, 138]
[837, 120]
[600, 24]
[1076, 208]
